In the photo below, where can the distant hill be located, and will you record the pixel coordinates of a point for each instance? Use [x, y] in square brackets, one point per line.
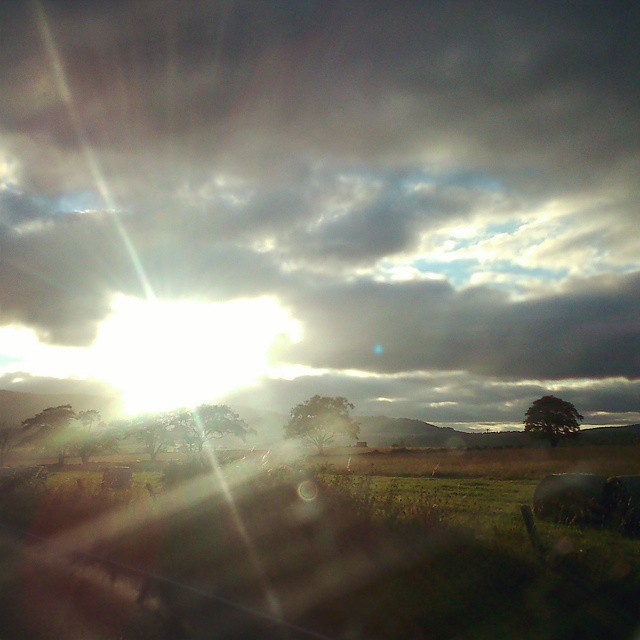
[16, 406]
[629, 434]
[384, 431]
[377, 431]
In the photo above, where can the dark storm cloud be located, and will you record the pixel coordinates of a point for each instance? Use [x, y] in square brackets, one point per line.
[545, 96]
[553, 87]
[428, 325]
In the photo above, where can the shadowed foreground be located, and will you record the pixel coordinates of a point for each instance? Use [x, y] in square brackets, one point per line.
[281, 555]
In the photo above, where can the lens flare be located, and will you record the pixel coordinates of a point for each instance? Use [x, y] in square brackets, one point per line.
[308, 490]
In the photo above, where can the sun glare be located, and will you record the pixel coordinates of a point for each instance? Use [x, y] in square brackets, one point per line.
[165, 354]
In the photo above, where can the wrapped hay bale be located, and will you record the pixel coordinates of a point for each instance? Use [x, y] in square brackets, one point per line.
[571, 497]
[622, 499]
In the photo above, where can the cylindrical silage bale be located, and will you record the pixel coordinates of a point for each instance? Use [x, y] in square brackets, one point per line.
[622, 500]
[571, 498]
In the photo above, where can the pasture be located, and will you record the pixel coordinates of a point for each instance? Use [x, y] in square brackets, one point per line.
[482, 489]
[508, 463]
[384, 544]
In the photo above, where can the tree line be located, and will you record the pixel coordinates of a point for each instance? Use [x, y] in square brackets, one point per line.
[315, 422]
[63, 432]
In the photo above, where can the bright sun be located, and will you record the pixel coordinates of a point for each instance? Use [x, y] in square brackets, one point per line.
[166, 354]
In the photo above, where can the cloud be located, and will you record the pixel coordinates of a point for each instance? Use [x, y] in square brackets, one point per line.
[457, 186]
[588, 332]
[491, 86]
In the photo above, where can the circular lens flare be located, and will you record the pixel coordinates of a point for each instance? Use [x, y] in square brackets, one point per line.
[308, 490]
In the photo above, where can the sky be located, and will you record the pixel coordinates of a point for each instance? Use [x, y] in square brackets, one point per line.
[430, 208]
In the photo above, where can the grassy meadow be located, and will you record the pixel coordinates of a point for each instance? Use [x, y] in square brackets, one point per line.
[483, 489]
[509, 463]
[393, 543]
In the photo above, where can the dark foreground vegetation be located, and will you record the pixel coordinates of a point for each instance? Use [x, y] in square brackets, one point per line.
[257, 551]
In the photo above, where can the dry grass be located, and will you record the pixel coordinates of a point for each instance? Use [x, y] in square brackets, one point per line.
[508, 464]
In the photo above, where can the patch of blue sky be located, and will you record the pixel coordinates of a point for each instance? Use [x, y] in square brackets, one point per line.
[5, 360]
[482, 233]
[74, 201]
[460, 272]
[457, 272]
[507, 226]
[25, 206]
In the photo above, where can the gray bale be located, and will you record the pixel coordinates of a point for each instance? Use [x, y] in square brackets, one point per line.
[571, 498]
[622, 500]
[117, 477]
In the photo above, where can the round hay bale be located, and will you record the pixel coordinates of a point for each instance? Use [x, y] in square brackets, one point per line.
[622, 500]
[570, 498]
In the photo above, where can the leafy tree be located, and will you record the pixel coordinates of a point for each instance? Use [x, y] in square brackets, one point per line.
[92, 438]
[89, 419]
[205, 423]
[318, 420]
[9, 435]
[553, 419]
[154, 432]
[52, 425]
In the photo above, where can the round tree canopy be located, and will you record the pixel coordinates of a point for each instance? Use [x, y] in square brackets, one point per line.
[553, 419]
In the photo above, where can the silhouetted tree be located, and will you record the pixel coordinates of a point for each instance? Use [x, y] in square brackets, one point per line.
[552, 419]
[194, 428]
[318, 420]
[53, 426]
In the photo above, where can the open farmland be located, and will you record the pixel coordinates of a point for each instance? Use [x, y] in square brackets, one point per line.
[504, 463]
[484, 489]
[396, 536]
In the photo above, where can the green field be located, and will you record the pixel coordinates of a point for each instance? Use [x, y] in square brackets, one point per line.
[490, 508]
[408, 543]
[484, 489]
